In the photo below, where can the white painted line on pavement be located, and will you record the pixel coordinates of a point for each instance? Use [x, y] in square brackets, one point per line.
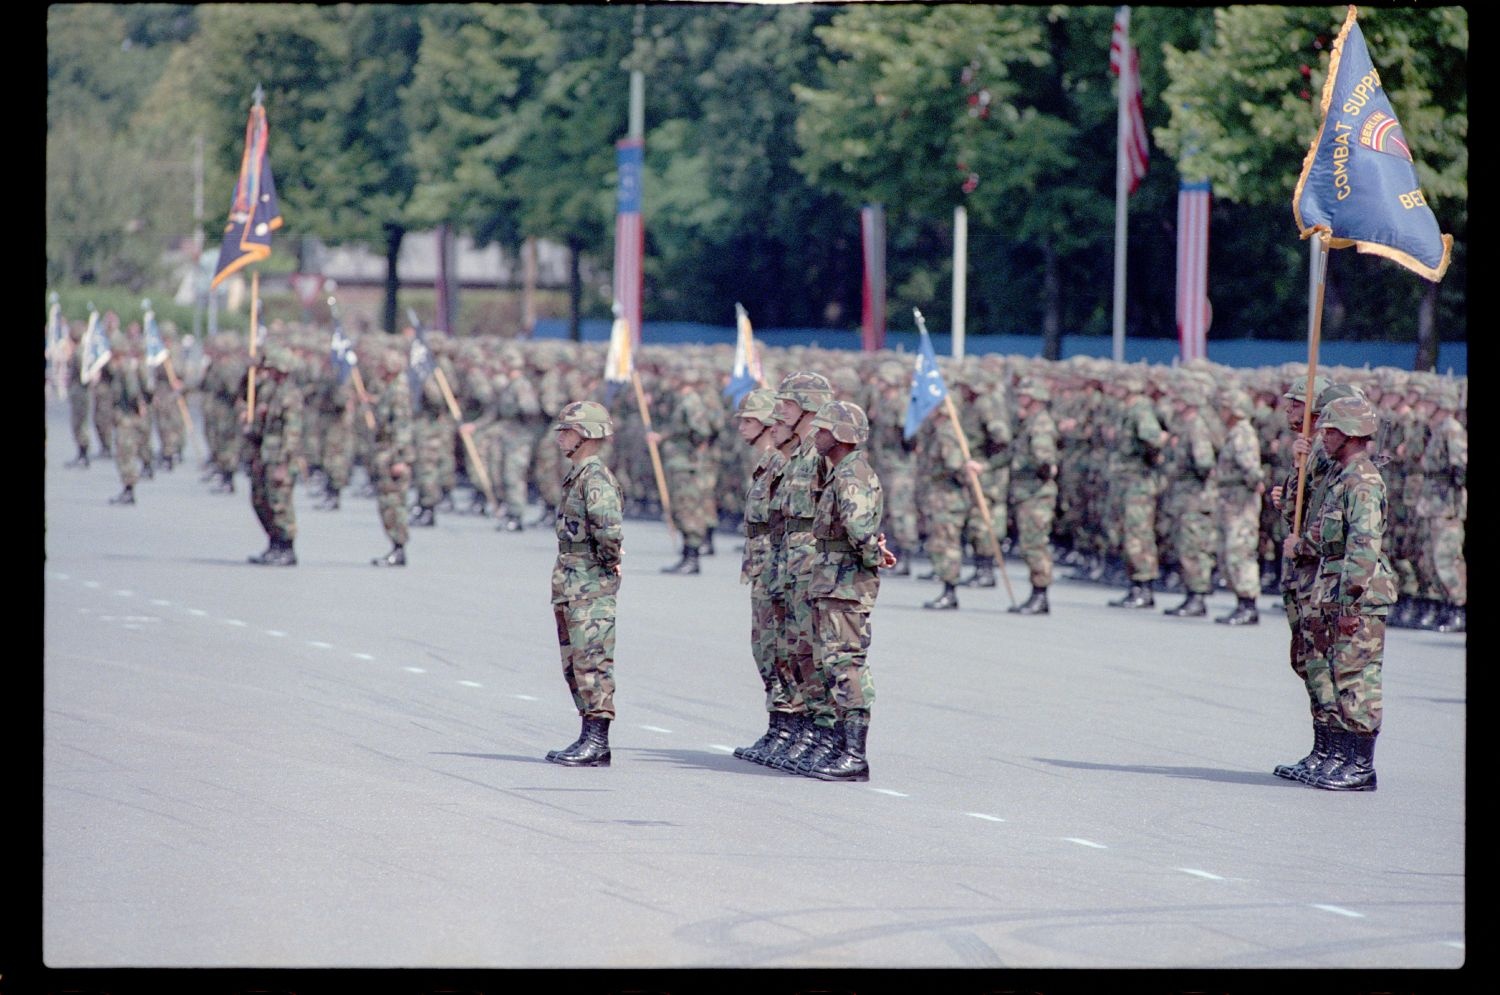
[986, 818]
[1455, 944]
[414, 670]
[1338, 911]
[124, 594]
[888, 791]
[197, 611]
[85, 611]
[91, 583]
[525, 697]
[61, 577]
[655, 729]
[315, 644]
[471, 684]
[161, 602]
[721, 747]
[235, 621]
[362, 656]
[275, 632]
[1200, 874]
[1083, 842]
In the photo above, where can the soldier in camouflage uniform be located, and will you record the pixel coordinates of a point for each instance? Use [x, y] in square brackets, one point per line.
[275, 438]
[845, 584]
[782, 699]
[1241, 484]
[392, 454]
[128, 389]
[943, 499]
[1033, 489]
[1409, 480]
[521, 423]
[222, 421]
[435, 431]
[78, 397]
[338, 408]
[586, 579]
[986, 421]
[1442, 508]
[166, 415]
[892, 457]
[548, 465]
[1355, 588]
[684, 436]
[794, 494]
[101, 401]
[1194, 494]
[1136, 473]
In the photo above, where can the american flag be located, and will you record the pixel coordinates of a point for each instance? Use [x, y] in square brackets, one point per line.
[630, 234]
[1193, 313]
[1125, 62]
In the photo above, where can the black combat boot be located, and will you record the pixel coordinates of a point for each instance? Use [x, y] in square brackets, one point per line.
[1428, 618]
[577, 744]
[773, 724]
[1139, 596]
[280, 554]
[1455, 619]
[1244, 613]
[1339, 745]
[445, 503]
[126, 496]
[1322, 740]
[1034, 605]
[805, 738]
[593, 751]
[707, 548]
[1192, 606]
[424, 515]
[511, 523]
[1270, 576]
[791, 724]
[167, 462]
[395, 558]
[1357, 772]
[479, 504]
[850, 763]
[947, 600]
[81, 460]
[1402, 615]
[984, 573]
[225, 484]
[688, 564]
[827, 745]
[265, 555]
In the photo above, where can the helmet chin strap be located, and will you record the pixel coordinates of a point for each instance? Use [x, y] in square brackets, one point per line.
[576, 445]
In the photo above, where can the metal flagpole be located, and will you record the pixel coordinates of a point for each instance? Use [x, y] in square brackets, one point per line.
[1122, 193]
[960, 276]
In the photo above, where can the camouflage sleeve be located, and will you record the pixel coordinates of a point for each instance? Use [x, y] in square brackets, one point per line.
[1201, 449]
[292, 423]
[601, 498]
[861, 504]
[1364, 517]
[1044, 438]
[1148, 429]
[696, 419]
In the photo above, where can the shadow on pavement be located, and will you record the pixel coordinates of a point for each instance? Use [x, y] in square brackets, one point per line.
[1194, 773]
[703, 760]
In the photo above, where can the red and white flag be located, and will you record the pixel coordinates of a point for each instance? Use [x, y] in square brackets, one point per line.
[872, 239]
[630, 233]
[1193, 313]
[1125, 62]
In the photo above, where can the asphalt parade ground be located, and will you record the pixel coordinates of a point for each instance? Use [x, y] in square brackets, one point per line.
[338, 765]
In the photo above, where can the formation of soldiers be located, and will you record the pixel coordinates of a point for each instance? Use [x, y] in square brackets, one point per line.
[1151, 478]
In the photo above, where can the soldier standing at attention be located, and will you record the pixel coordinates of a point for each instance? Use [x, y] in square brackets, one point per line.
[782, 701]
[392, 454]
[1194, 493]
[845, 583]
[1241, 485]
[684, 438]
[1140, 442]
[1355, 588]
[275, 437]
[78, 397]
[1033, 490]
[586, 579]
[128, 390]
[1443, 507]
[943, 498]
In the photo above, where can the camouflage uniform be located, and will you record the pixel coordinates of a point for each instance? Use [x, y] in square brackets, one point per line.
[78, 400]
[434, 431]
[943, 498]
[222, 380]
[1442, 508]
[1138, 455]
[687, 431]
[129, 393]
[275, 437]
[166, 416]
[393, 447]
[891, 456]
[1193, 493]
[585, 583]
[1033, 489]
[1239, 475]
[338, 413]
[520, 427]
[986, 421]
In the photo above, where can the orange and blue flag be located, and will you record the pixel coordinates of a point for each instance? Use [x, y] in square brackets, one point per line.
[619, 361]
[254, 214]
[1358, 183]
[746, 374]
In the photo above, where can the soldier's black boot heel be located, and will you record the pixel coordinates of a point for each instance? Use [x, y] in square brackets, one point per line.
[828, 744]
[1357, 772]
[583, 734]
[947, 600]
[593, 751]
[773, 725]
[852, 763]
[1034, 605]
[1192, 606]
[1139, 596]
[1322, 737]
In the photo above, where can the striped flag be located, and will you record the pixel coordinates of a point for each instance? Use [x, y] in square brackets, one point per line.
[630, 233]
[1125, 62]
[1193, 311]
[746, 374]
[872, 237]
[619, 361]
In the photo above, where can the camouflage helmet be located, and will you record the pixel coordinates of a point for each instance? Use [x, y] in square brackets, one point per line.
[1334, 391]
[1238, 402]
[845, 420]
[278, 357]
[809, 390]
[588, 418]
[1298, 390]
[1351, 415]
[759, 404]
[1034, 389]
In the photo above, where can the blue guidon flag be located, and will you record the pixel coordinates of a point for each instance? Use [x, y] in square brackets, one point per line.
[927, 385]
[341, 351]
[419, 361]
[1358, 183]
[156, 347]
[254, 215]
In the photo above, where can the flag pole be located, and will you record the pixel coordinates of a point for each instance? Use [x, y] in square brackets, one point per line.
[1121, 194]
[362, 395]
[661, 477]
[960, 276]
[984, 505]
[254, 320]
[1318, 273]
[474, 460]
